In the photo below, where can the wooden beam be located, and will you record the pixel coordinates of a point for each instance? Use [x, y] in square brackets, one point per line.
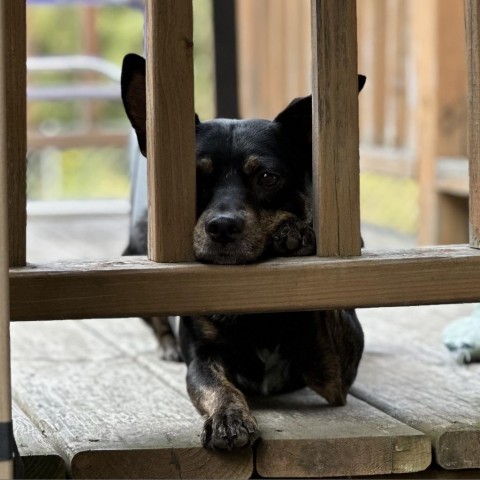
[171, 130]
[472, 22]
[138, 287]
[6, 434]
[14, 112]
[335, 127]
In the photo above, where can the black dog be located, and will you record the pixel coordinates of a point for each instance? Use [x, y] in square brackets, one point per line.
[253, 201]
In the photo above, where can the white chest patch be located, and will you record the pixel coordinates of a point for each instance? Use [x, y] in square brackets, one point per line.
[175, 326]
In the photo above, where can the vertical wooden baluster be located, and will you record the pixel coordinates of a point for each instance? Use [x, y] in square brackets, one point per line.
[170, 130]
[6, 465]
[335, 127]
[14, 36]
[472, 23]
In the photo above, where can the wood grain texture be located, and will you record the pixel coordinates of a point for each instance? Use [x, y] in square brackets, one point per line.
[132, 286]
[335, 127]
[301, 435]
[6, 470]
[438, 29]
[472, 23]
[424, 20]
[5, 398]
[106, 413]
[13, 120]
[40, 458]
[171, 130]
[408, 373]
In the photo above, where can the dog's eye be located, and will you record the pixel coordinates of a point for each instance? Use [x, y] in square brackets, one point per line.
[268, 179]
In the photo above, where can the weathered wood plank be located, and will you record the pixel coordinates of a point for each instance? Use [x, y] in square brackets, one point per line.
[335, 128]
[472, 23]
[131, 287]
[107, 414]
[170, 130]
[434, 472]
[408, 373]
[13, 123]
[39, 458]
[301, 435]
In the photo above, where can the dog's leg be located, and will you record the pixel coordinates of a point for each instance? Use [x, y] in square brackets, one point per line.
[229, 423]
[167, 343]
[332, 360]
[294, 238]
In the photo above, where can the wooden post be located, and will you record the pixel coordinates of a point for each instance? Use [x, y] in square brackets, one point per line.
[472, 23]
[439, 45]
[335, 127]
[6, 448]
[171, 130]
[15, 51]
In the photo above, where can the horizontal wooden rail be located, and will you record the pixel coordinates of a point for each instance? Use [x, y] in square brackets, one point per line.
[138, 287]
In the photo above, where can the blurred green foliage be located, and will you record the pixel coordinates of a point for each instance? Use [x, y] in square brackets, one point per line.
[389, 202]
[59, 30]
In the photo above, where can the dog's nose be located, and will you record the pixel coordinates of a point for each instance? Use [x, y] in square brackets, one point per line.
[225, 228]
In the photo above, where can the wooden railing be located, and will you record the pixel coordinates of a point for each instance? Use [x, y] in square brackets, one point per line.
[341, 278]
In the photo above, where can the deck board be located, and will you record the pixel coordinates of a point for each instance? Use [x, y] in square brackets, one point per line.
[408, 373]
[39, 457]
[110, 416]
[302, 436]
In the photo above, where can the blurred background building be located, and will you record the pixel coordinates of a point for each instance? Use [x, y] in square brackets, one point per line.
[414, 178]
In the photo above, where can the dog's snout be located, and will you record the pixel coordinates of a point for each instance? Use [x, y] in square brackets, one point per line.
[225, 228]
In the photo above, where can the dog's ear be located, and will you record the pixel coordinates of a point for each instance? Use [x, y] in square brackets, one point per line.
[133, 83]
[134, 96]
[361, 82]
[297, 117]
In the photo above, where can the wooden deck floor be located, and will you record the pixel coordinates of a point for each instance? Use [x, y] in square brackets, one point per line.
[92, 396]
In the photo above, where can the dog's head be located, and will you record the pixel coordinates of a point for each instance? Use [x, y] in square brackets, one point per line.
[252, 175]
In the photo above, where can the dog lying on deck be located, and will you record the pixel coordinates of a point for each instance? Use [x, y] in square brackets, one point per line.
[253, 202]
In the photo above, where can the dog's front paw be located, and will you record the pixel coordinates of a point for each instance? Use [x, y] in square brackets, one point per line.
[229, 429]
[169, 353]
[294, 238]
